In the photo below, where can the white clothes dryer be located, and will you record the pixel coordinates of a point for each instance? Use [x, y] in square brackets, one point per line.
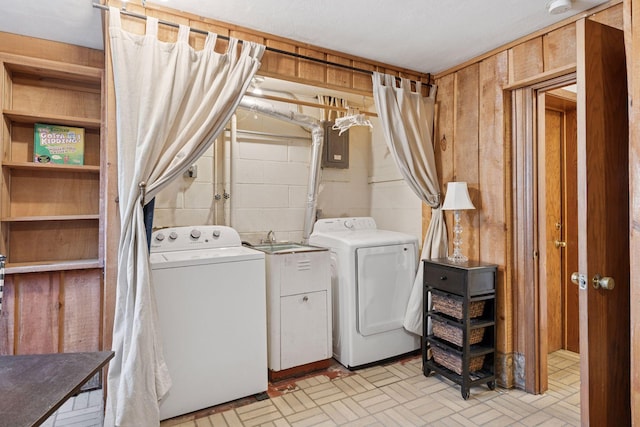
[372, 273]
[211, 298]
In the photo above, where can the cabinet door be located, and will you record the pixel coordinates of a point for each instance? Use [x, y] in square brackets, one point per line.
[304, 329]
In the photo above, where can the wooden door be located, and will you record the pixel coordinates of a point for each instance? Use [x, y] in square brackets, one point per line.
[553, 222]
[603, 224]
[558, 181]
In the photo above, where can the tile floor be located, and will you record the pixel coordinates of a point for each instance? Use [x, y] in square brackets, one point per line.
[83, 410]
[395, 394]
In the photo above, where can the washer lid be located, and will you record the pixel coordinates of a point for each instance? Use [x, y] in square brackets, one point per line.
[360, 238]
[162, 260]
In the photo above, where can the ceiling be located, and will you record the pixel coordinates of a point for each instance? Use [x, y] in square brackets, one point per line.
[420, 35]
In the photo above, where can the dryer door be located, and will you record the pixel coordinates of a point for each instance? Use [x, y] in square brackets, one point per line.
[385, 276]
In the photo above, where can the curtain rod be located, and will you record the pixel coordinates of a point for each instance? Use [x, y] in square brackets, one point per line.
[271, 49]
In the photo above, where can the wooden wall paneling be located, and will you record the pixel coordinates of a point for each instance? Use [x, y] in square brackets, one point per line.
[7, 317]
[82, 310]
[444, 137]
[612, 16]
[276, 63]
[339, 77]
[526, 60]
[75, 240]
[519, 224]
[37, 313]
[559, 48]
[22, 45]
[363, 81]
[65, 193]
[492, 173]
[633, 35]
[311, 71]
[109, 170]
[466, 153]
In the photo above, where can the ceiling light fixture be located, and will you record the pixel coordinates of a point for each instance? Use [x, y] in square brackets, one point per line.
[556, 7]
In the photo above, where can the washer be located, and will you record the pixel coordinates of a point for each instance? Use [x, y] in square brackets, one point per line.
[372, 273]
[211, 298]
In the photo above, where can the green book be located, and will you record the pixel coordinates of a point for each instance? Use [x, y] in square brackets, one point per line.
[58, 144]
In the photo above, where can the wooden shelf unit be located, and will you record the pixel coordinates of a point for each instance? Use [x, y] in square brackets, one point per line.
[50, 216]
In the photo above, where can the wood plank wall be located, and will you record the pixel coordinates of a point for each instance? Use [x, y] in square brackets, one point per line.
[473, 116]
[274, 64]
[632, 37]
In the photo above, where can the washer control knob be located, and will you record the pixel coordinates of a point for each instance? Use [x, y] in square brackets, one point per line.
[216, 233]
[173, 235]
[348, 224]
[159, 237]
[195, 233]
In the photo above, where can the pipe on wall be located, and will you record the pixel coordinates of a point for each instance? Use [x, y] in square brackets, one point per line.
[317, 139]
[233, 154]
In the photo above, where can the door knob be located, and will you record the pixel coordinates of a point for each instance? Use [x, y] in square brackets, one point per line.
[603, 282]
[559, 244]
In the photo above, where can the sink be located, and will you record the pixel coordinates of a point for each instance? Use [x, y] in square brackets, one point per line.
[284, 248]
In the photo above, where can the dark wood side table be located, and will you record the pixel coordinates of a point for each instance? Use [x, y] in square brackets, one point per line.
[464, 323]
[32, 387]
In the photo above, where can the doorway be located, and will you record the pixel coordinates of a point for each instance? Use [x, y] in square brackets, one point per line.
[558, 233]
[557, 211]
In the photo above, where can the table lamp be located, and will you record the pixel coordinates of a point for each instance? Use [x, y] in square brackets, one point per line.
[457, 199]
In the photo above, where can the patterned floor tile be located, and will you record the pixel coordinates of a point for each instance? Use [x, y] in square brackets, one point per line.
[392, 394]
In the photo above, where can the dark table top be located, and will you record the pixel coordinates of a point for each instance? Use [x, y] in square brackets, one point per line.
[32, 387]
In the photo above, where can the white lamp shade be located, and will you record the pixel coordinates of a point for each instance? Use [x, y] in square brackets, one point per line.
[457, 197]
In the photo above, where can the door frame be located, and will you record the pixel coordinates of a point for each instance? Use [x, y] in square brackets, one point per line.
[531, 296]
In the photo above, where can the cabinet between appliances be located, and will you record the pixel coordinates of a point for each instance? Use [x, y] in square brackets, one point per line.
[463, 322]
[299, 326]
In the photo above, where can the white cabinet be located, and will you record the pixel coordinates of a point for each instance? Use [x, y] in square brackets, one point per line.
[299, 308]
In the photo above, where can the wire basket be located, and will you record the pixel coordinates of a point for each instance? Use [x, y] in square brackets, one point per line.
[454, 334]
[453, 361]
[452, 306]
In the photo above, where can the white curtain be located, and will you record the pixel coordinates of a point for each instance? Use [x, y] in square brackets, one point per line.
[407, 121]
[171, 103]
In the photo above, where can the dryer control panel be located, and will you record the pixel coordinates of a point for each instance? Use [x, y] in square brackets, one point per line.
[194, 237]
[344, 224]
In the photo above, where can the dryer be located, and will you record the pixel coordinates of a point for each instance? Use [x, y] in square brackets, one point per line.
[372, 274]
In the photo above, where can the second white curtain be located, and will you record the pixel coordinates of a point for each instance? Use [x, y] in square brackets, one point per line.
[407, 121]
[171, 103]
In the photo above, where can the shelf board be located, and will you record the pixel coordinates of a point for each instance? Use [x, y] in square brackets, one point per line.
[475, 378]
[40, 267]
[474, 350]
[50, 218]
[30, 118]
[51, 167]
[474, 323]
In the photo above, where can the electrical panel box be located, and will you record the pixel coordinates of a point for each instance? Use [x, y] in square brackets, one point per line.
[335, 150]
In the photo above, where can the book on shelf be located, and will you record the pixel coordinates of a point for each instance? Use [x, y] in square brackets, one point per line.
[58, 144]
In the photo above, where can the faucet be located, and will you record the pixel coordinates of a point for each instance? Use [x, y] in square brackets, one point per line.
[271, 236]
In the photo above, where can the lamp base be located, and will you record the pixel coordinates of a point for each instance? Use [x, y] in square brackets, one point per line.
[457, 258]
[457, 240]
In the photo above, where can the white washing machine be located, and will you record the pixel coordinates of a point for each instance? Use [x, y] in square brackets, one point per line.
[211, 299]
[372, 273]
